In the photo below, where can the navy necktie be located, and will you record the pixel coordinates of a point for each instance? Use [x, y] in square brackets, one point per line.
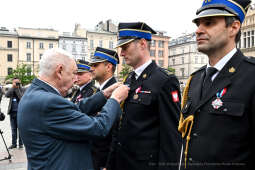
[210, 71]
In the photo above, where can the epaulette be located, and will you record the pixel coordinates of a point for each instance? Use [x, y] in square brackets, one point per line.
[202, 68]
[250, 59]
[166, 71]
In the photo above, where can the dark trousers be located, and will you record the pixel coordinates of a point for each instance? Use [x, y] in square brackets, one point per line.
[13, 121]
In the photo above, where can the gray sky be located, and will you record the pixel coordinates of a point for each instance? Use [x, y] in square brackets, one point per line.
[166, 15]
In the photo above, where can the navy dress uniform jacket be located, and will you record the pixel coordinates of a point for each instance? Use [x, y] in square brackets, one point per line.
[148, 137]
[86, 91]
[101, 147]
[56, 133]
[223, 138]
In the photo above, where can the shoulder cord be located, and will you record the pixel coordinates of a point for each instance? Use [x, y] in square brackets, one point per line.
[184, 123]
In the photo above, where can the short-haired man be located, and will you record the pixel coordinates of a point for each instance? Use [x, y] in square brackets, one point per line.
[84, 81]
[103, 65]
[56, 132]
[147, 137]
[218, 114]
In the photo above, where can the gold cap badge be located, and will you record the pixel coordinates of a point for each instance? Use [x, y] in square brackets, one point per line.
[232, 70]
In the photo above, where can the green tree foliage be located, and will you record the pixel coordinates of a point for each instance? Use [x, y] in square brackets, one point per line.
[125, 70]
[171, 70]
[23, 72]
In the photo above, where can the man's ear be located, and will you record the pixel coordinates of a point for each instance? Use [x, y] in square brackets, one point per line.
[59, 71]
[235, 27]
[143, 43]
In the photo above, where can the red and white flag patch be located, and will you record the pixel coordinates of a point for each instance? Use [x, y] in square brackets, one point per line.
[175, 96]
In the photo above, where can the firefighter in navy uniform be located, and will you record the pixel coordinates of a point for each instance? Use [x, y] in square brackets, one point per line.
[84, 81]
[103, 65]
[218, 108]
[147, 138]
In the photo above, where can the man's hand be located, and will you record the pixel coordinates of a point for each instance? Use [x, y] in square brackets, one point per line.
[108, 91]
[120, 93]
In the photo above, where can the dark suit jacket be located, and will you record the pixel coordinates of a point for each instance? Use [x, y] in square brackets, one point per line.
[223, 138]
[101, 147]
[148, 137]
[56, 132]
[10, 94]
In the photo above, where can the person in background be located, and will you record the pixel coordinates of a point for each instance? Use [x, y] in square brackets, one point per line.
[84, 81]
[14, 93]
[103, 65]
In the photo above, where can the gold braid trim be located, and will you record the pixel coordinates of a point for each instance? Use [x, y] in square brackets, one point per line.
[123, 102]
[184, 124]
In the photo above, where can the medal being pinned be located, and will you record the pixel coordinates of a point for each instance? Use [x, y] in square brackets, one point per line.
[217, 103]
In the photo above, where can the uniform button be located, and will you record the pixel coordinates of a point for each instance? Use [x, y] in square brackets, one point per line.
[195, 134]
[198, 110]
[190, 159]
[119, 143]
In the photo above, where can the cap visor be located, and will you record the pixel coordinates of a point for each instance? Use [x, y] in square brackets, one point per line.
[212, 13]
[81, 70]
[96, 61]
[124, 41]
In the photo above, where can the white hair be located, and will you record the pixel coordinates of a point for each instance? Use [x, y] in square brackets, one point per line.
[51, 59]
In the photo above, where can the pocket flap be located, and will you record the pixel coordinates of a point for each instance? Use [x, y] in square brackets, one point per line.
[230, 108]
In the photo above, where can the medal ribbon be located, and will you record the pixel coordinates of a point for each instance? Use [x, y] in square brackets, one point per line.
[221, 93]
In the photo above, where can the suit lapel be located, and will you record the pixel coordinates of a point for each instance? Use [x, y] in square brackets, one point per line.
[197, 82]
[224, 77]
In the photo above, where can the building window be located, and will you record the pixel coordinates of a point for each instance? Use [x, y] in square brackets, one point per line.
[174, 51]
[83, 49]
[244, 39]
[41, 45]
[50, 45]
[74, 48]
[9, 70]
[182, 60]
[28, 44]
[40, 56]
[64, 46]
[91, 44]
[83, 58]
[249, 40]
[182, 72]
[252, 38]
[9, 44]
[173, 60]
[160, 53]
[28, 56]
[91, 54]
[202, 60]
[111, 45]
[160, 44]
[100, 43]
[196, 60]
[9, 57]
[153, 42]
[152, 53]
[161, 63]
